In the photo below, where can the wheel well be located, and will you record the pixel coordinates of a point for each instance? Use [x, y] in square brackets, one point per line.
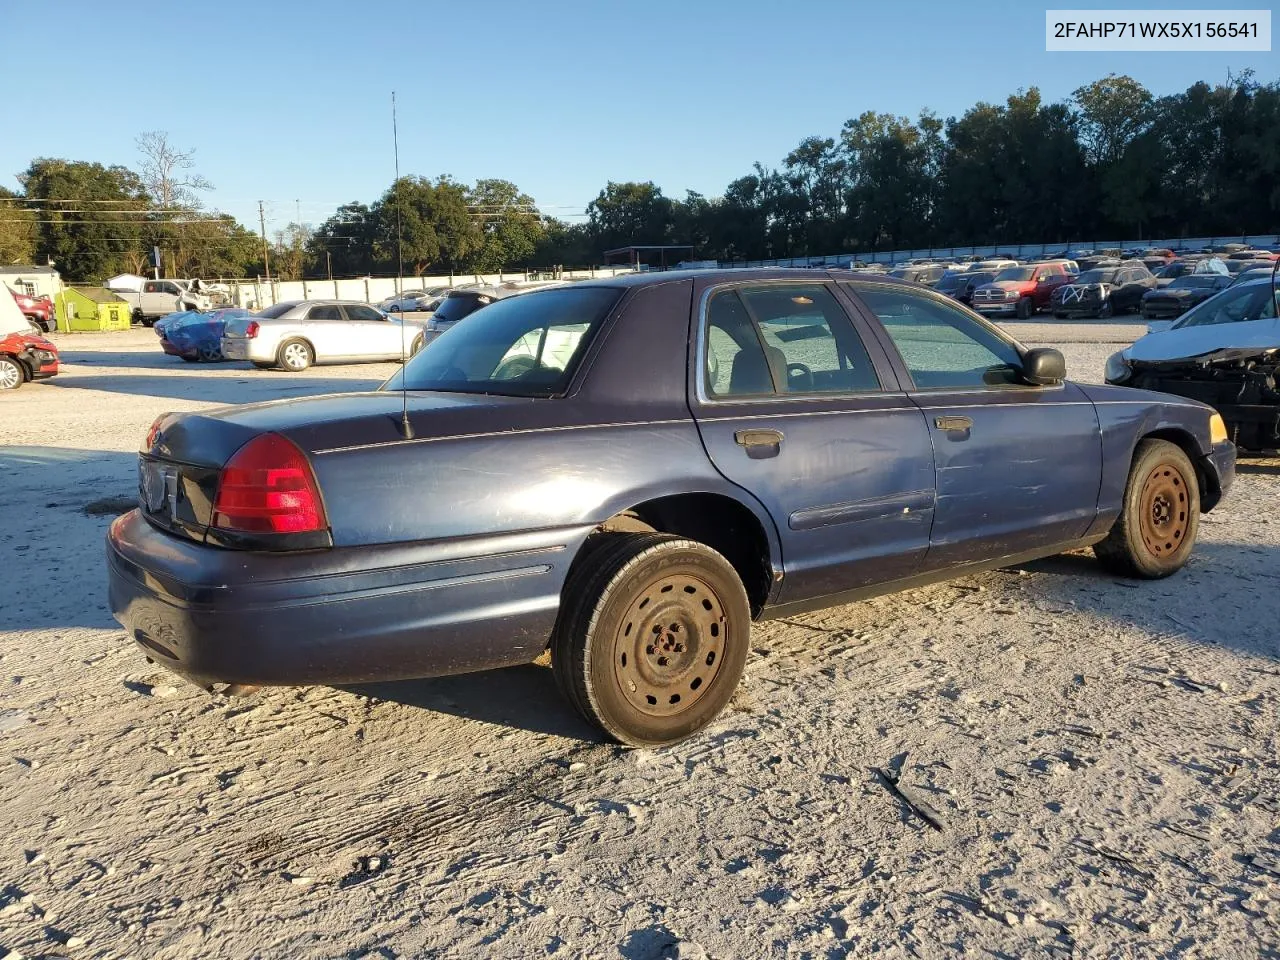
[26, 371]
[720, 522]
[1210, 492]
[296, 338]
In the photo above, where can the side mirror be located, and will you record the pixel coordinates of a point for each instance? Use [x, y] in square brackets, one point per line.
[1044, 366]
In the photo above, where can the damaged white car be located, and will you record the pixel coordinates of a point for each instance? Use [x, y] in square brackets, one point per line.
[1224, 352]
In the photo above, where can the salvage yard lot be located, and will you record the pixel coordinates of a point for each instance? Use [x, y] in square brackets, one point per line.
[1101, 755]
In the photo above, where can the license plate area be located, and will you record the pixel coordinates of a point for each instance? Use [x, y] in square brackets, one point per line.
[175, 496]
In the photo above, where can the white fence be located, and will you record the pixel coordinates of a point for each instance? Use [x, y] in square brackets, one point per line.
[258, 293]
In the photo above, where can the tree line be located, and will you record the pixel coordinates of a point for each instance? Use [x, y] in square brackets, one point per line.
[1113, 160]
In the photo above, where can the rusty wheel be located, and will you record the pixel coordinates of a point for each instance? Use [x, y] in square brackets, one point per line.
[1160, 515]
[669, 646]
[1163, 517]
[652, 636]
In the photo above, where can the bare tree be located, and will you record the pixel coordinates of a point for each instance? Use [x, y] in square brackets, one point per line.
[166, 171]
[169, 178]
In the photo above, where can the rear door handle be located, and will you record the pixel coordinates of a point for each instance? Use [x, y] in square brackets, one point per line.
[952, 423]
[758, 438]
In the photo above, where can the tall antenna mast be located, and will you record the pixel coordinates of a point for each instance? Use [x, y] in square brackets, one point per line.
[406, 428]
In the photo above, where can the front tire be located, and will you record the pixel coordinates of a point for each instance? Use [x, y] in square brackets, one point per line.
[652, 637]
[295, 356]
[12, 376]
[1024, 309]
[1105, 311]
[1157, 526]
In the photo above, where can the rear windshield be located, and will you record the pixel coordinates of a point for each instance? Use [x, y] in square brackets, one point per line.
[1097, 276]
[279, 310]
[525, 346]
[460, 305]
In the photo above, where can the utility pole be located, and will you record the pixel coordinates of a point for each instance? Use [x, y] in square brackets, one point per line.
[328, 259]
[266, 254]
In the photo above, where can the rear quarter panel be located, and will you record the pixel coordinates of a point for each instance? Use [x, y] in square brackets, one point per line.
[623, 435]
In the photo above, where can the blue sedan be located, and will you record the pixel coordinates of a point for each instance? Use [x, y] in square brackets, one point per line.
[629, 472]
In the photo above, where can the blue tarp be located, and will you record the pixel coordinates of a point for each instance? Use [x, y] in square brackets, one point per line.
[196, 335]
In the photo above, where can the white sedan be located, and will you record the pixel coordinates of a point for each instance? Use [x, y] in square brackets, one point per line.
[297, 333]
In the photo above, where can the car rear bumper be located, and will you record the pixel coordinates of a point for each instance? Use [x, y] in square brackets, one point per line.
[343, 615]
[1163, 311]
[243, 348]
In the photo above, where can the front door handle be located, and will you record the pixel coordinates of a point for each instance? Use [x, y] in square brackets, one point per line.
[758, 438]
[952, 423]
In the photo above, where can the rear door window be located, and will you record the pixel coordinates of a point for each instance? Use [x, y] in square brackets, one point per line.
[791, 339]
[325, 312]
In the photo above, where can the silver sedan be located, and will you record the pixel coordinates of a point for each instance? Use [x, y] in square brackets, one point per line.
[297, 333]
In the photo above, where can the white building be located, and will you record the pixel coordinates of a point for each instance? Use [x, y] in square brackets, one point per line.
[32, 280]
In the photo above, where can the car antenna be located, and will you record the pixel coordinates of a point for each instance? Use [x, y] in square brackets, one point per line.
[406, 428]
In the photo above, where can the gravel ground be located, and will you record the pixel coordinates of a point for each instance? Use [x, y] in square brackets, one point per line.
[1098, 756]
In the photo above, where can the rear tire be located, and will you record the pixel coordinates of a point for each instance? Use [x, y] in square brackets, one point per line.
[652, 637]
[1158, 522]
[12, 375]
[295, 355]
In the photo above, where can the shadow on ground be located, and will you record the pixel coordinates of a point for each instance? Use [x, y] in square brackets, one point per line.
[522, 697]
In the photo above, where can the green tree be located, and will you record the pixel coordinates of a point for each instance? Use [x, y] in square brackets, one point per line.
[345, 243]
[93, 216]
[1113, 112]
[430, 221]
[18, 229]
[625, 214]
[510, 226]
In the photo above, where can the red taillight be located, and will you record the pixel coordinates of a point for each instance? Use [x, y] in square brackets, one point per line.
[268, 487]
[153, 432]
[251, 329]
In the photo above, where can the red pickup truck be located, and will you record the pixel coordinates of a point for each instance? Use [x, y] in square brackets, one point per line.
[1020, 291]
[39, 310]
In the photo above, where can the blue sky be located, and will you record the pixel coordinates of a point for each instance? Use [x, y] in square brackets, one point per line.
[290, 101]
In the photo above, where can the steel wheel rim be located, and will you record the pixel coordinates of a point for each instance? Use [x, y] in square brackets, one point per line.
[295, 355]
[10, 375]
[1164, 510]
[670, 645]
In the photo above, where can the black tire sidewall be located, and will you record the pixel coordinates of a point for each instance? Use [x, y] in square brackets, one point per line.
[280, 361]
[631, 569]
